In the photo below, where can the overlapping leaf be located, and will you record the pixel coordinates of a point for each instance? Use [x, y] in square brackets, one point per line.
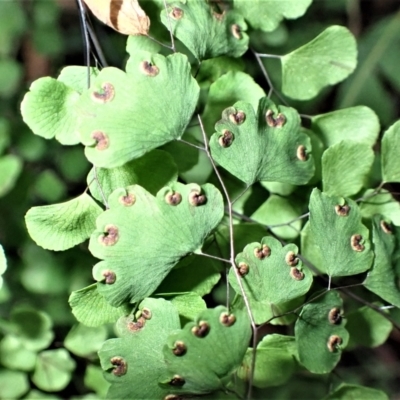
[125, 115]
[382, 279]
[320, 333]
[326, 60]
[134, 363]
[390, 154]
[178, 220]
[339, 240]
[271, 274]
[199, 357]
[62, 226]
[275, 361]
[206, 33]
[358, 124]
[85, 300]
[266, 147]
[266, 14]
[345, 166]
[347, 391]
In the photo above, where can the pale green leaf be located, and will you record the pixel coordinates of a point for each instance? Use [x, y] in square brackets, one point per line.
[189, 305]
[133, 364]
[358, 123]
[275, 362]
[205, 358]
[380, 203]
[62, 226]
[382, 279]
[125, 115]
[203, 31]
[10, 169]
[85, 300]
[53, 370]
[345, 167]
[178, 221]
[279, 211]
[390, 154]
[320, 333]
[49, 109]
[326, 60]
[266, 268]
[340, 241]
[13, 384]
[267, 14]
[152, 171]
[271, 142]
[14, 355]
[94, 380]
[85, 341]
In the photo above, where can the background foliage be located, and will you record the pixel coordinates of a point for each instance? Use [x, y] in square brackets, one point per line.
[44, 353]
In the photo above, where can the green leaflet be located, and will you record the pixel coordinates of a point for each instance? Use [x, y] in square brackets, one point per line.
[178, 221]
[10, 169]
[53, 370]
[390, 154]
[272, 144]
[62, 226]
[271, 274]
[339, 240]
[358, 123]
[125, 115]
[346, 391]
[203, 31]
[195, 359]
[152, 171]
[85, 300]
[320, 333]
[134, 363]
[275, 361]
[345, 167]
[267, 14]
[367, 327]
[326, 60]
[381, 279]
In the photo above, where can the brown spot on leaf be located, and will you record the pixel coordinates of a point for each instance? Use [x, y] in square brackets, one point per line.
[238, 117]
[179, 348]
[173, 397]
[173, 198]
[274, 122]
[236, 31]
[227, 319]
[110, 235]
[105, 94]
[262, 252]
[176, 13]
[291, 258]
[296, 274]
[386, 227]
[334, 316]
[196, 198]
[120, 366]
[149, 69]
[226, 139]
[109, 276]
[138, 325]
[243, 269]
[177, 381]
[127, 200]
[301, 153]
[342, 211]
[201, 330]
[334, 342]
[102, 140]
[355, 242]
